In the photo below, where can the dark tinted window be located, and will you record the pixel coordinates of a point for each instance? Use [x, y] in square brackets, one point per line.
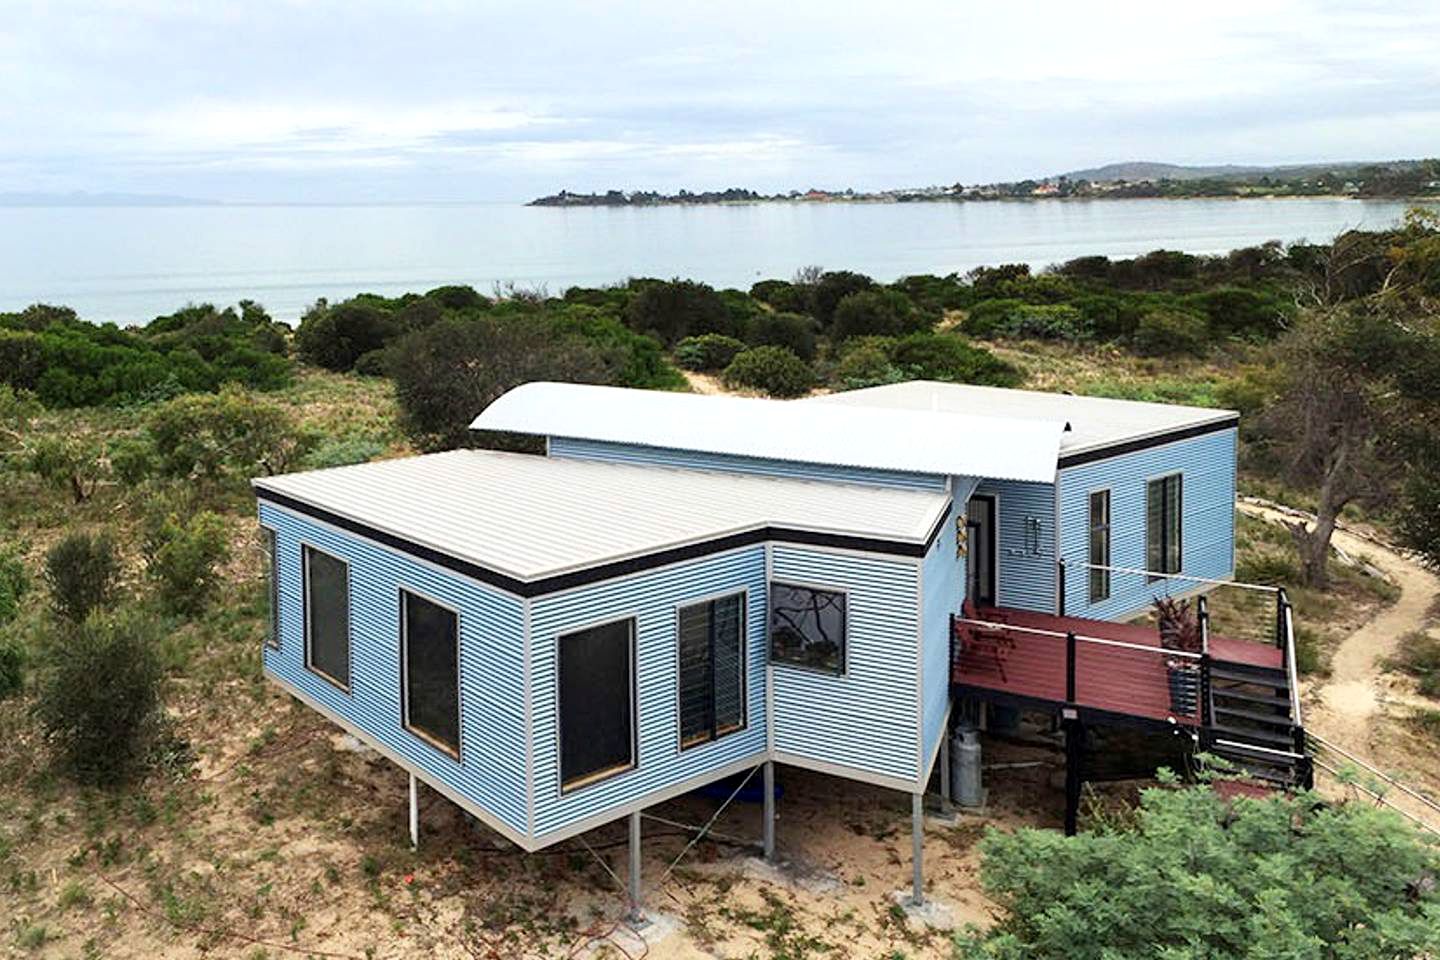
[1162, 525]
[1099, 545]
[597, 702]
[432, 670]
[272, 578]
[327, 616]
[712, 665]
[807, 627]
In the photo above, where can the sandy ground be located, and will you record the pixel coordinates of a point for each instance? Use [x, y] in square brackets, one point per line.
[1360, 706]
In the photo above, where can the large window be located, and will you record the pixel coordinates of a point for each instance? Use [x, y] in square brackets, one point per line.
[271, 559]
[1162, 525]
[1099, 546]
[807, 627]
[430, 653]
[712, 669]
[597, 703]
[327, 616]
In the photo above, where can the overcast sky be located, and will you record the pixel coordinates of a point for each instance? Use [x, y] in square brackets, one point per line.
[356, 101]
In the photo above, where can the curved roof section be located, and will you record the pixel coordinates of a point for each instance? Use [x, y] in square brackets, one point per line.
[1095, 422]
[918, 441]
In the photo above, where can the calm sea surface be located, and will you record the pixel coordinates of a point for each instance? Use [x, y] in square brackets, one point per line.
[129, 264]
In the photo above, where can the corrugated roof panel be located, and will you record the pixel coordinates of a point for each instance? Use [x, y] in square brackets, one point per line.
[1094, 422]
[531, 517]
[919, 441]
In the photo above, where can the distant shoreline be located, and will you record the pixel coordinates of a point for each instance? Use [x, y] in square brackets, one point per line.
[875, 201]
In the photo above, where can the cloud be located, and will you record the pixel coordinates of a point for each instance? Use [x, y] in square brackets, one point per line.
[448, 100]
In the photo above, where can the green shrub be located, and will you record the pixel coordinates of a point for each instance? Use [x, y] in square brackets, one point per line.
[82, 572]
[772, 370]
[876, 313]
[13, 583]
[444, 375]
[12, 666]
[1171, 332]
[457, 297]
[342, 452]
[1241, 311]
[98, 696]
[710, 351]
[182, 556]
[988, 318]
[794, 331]
[831, 288]
[947, 356]
[70, 462]
[334, 337]
[673, 310]
[783, 295]
[1309, 651]
[225, 436]
[1270, 567]
[372, 364]
[1192, 874]
[133, 460]
[1419, 655]
[866, 363]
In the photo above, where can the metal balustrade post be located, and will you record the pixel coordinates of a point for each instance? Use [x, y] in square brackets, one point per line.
[1060, 587]
[1070, 668]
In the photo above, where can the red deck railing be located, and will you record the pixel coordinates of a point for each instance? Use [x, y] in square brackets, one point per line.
[1111, 667]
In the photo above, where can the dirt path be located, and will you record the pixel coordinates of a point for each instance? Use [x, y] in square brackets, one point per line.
[1357, 689]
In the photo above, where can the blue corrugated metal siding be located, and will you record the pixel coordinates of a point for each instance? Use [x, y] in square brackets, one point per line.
[652, 598]
[943, 582]
[631, 453]
[868, 719]
[1207, 533]
[1024, 575]
[491, 772]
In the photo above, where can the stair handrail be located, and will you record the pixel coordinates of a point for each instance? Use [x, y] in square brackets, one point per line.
[1373, 771]
[1287, 619]
[1380, 799]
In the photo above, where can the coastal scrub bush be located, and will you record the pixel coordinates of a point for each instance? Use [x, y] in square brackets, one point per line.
[794, 331]
[457, 297]
[782, 295]
[1241, 311]
[866, 363]
[1419, 656]
[831, 288]
[772, 370]
[232, 435]
[13, 583]
[710, 351]
[988, 317]
[82, 572]
[947, 356]
[342, 452]
[1190, 874]
[12, 666]
[675, 309]
[1021, 320]
[447, 373]
[1171, 333]
[72, 462]
[876, 313]
[334, 337]
[182, 555]
[98, 696]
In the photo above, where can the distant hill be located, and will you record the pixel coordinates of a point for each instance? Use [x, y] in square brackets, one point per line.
[1148, 170]
[82, 199]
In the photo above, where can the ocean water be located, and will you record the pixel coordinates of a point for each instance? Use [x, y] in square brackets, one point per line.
[130, 264]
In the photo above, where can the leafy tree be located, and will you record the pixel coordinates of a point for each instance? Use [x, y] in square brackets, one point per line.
[783, 296]
[794, 331]
[225, 436]
[457, 297]
[335, 337]
[98, 696]
[676, 309]
[946, 356]
[1191, 875]
[876, 313]
[82, 572]
[832, 287]
[182, 555]
[772, 370]
[446, 374]
[73, 462]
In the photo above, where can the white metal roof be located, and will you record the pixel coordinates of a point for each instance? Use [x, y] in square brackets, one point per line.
[531, 517]
[910, 439]
[1095, 422]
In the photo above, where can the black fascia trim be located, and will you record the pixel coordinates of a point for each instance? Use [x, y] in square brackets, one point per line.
[1145, 443]
[604, 571]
